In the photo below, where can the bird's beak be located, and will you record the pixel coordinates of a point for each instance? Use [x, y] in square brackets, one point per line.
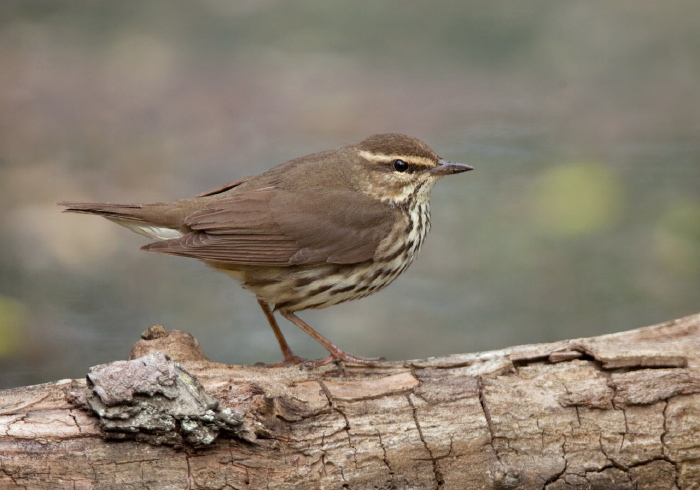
[448, 168]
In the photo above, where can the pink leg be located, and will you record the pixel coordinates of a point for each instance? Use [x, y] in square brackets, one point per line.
[289, 356]
[336, 352]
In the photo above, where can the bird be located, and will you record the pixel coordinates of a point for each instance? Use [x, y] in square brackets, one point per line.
[313, 232]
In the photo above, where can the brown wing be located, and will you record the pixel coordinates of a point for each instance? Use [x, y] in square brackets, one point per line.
[223, 188]
[279, 227]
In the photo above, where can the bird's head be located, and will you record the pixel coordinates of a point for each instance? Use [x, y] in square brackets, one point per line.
[397, 168]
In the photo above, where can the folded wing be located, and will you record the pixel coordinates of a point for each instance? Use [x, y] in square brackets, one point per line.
[276, 227]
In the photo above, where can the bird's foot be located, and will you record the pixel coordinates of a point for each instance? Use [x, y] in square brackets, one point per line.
[287, 361]
[337, 357]
[344, 357]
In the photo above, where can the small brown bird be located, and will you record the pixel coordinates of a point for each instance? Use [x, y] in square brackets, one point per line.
[310, 233]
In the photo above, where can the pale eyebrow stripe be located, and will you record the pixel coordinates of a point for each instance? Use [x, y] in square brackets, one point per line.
[381, 158]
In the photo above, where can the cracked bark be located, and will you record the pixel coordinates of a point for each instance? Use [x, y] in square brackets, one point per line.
[616, 411]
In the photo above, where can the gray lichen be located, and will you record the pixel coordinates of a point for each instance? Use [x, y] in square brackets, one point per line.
[155, 400]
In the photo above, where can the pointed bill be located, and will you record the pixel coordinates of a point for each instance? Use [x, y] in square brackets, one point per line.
[449, 168]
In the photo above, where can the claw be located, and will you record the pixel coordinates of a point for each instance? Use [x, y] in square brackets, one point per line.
[287, 361]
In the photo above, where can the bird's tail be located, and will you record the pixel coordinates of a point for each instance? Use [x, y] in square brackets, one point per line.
[161, 221]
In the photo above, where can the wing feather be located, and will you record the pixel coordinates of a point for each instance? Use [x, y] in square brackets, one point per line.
[276, 227]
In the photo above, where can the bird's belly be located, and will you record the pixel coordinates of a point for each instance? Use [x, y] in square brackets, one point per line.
[298, 288]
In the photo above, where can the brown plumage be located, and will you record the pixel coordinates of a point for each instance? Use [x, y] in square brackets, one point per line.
[315, 231]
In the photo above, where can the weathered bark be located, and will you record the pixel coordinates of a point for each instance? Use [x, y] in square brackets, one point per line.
[616, 411]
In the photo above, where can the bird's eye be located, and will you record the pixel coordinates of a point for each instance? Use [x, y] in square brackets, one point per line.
[399, 165]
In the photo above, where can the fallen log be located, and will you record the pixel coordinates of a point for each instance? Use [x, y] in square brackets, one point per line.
[615, 411]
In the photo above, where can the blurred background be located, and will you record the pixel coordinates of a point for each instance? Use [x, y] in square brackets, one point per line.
[581, 118]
